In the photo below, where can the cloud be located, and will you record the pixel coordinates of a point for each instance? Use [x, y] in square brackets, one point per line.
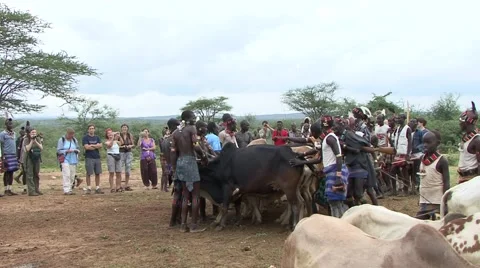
[165, 53]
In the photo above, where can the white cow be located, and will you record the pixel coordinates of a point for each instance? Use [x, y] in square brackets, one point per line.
[322, 241]
[460, 231]
[463, 198]
[383, 223]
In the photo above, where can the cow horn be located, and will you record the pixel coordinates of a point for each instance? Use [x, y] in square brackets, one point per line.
[383, 112]
[474, 109]
[350, 115]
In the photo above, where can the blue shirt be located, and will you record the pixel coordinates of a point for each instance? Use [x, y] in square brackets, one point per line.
[214, 141]
[417, 142]
[62, 147]
[92, 154]
[8, 142]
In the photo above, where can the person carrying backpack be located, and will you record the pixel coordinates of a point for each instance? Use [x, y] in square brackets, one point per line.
[31, 160]
[67, 155]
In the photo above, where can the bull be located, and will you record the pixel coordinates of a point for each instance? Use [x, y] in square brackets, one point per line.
[260, 170]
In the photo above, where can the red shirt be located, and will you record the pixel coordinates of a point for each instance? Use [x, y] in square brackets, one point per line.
[276, 133]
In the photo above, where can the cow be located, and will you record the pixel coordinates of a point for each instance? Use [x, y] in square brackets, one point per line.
[323, 241]
[462, 198]
[383, 223]
[260, 169]
[257, 142]
[463, 234]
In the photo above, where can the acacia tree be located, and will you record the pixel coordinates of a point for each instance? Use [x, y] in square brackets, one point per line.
[312, 101]
[380, 102]
[26, 69]
[446, 108]
[206, 109]
[89, 112]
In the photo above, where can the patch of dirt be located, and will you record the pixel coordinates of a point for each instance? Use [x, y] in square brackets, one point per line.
[131, 230]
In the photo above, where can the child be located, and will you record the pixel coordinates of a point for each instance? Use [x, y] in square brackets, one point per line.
[435, 176]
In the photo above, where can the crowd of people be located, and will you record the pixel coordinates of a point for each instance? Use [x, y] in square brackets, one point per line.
[347, 148]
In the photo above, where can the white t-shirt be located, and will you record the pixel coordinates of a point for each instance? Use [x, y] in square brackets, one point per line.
[381, 133]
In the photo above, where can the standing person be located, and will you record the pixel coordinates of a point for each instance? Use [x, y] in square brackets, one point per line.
[67, 154]
[469, 161]
[126, 155]
[228, 134]
[8, 155]
[148, 166]
[212, 138]
[436, 176]
[32, 159]
[360, 165]
[403, 146]
[280, 135]
[114, 163]
[361, 115]
[266, 132]
[184, 164]
[168, 152]
[307, 123]
[164, 180]
[244, 137]
[336, 172]
[294, 133]
[20, 153]
[93, 165]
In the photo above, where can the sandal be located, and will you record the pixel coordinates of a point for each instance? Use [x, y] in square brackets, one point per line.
[120, 190]
[128, 188]
[112, 191]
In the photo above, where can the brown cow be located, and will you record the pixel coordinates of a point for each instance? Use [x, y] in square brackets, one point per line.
[323, 241]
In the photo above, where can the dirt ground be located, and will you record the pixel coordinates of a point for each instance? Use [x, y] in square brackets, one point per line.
[130, 230]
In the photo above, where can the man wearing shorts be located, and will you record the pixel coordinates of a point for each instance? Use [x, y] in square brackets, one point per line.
[93, 165]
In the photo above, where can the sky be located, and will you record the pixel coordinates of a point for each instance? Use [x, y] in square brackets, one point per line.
[155, 56]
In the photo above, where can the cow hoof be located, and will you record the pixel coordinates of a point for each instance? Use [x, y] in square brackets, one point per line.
[213, 224]
[219, 228]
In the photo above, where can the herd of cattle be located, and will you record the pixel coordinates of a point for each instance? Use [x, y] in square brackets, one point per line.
[366, 235]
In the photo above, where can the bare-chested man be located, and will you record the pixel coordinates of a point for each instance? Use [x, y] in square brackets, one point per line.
[469, 162]
[184, 165]
[244, 137]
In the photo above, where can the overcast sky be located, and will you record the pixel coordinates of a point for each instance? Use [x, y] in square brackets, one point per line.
[157, 55]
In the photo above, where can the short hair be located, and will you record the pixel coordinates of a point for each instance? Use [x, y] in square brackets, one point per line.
[244, 122]
[211, 127]
[200, 124]
[264, 122]
[70, 130]
[172, 123]
[437, 134]
[90, 125]
[422, 120]
[124, 125]
[279, 122]
[187, 115]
